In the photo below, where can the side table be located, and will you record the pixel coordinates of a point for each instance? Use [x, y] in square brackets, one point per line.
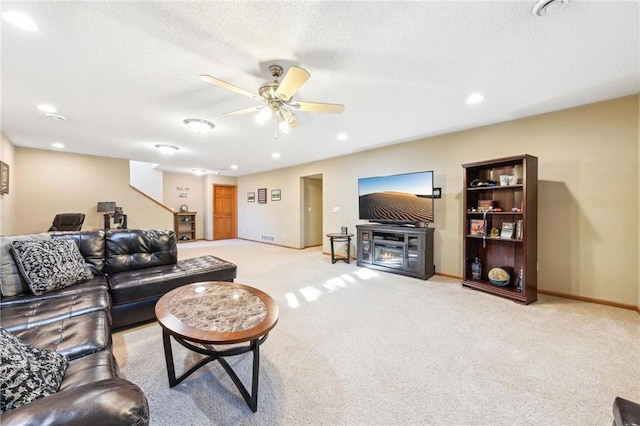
[340, 238]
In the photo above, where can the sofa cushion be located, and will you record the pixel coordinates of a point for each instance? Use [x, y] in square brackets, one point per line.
[11, 283]
[91, 245]
[27, 373]
[34, 312]
[130, 286]
[97, 283]
[73, 337]
[139, 249]
[50, 265]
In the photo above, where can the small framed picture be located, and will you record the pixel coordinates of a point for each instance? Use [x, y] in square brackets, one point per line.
[275, 195]
[4, 178]
[251, 197]
[262, 195]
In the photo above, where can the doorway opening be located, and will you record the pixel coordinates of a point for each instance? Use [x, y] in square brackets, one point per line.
[311, 216]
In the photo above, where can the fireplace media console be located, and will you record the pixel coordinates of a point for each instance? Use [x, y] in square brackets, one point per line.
[399, 249]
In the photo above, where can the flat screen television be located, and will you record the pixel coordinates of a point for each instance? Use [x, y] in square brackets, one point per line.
[403, 199]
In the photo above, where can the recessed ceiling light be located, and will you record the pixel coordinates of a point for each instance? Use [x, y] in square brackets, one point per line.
[57, 145]
[20, 20]
[275, 155]
[167, 149]
[198, 125]
[56, 116]
[547, 7]
[234, 166]
[46, 108]
[198, 172]
[475, 98]
[342, 136]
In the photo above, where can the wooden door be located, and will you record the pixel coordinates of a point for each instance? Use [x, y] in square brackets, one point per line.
[224, 212]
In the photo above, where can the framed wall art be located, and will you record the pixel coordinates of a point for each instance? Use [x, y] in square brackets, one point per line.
[262, 195]
[275, 195]
[251, 197]
[4, 178]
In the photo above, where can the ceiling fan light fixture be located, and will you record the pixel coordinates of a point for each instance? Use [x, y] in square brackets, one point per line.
[284, 127]
[199, 125]
[166, 149]
[263, 115]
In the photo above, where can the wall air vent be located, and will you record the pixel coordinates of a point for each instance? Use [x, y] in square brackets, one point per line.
[267, 237]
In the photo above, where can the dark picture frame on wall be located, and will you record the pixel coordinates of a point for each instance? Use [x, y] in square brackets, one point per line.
[4, 178]
[251, 197]
[275, 195]
[262, 195]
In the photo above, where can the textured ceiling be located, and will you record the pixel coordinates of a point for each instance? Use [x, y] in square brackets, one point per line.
[125, 74]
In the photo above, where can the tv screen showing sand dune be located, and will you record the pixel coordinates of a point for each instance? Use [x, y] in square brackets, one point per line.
[402, 198]
[396, 207]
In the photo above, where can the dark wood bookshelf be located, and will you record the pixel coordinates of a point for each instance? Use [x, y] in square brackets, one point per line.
[511, 254]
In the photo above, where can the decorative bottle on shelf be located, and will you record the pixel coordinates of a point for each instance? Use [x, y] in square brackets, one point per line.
[476, 269]
[519, 281]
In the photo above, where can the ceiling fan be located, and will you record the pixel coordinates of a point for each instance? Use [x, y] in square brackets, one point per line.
[278, 97]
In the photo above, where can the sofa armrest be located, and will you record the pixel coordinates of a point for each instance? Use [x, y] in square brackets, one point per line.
[114, 401]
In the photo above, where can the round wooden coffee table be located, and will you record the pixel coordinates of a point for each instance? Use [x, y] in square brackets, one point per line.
[201, 315]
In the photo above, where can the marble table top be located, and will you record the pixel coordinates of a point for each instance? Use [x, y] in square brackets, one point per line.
[218, 308]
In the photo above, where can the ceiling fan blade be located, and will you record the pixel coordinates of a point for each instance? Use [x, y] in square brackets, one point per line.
[292, 81]
[244, 111]
[317, 107]
[228, 86]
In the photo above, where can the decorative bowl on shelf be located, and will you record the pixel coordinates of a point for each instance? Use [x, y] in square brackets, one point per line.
[499, 277]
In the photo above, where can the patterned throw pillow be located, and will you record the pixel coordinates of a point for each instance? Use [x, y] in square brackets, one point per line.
[11, 284]
[27, 373]
[50, 265]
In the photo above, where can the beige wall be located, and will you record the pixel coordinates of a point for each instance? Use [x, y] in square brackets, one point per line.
[179, 189]
[7, 201]
[588, 194]
[48, 182]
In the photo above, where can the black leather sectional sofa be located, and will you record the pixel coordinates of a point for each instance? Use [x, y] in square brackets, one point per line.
[132, 269]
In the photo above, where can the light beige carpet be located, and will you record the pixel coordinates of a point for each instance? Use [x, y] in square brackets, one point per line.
[355, 346]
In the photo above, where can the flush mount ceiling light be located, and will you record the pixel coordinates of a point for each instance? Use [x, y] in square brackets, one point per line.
[234, 167]
[47, 108]
[20, 20]
[547, 7]
[57, 145]
[198, 172]
[56, 116]
[475, 98]
[167, 149]
[199, 125]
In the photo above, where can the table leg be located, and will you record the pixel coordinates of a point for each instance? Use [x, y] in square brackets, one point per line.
[251, 399]
[349, 250]
[333, 257]
[168, 356]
